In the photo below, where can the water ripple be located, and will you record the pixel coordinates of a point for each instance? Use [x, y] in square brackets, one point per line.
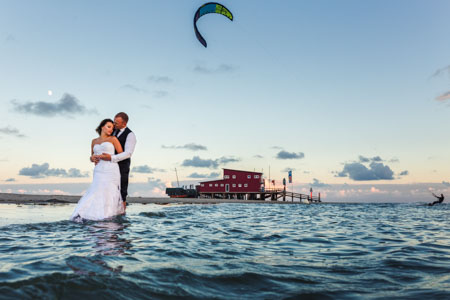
[327, 251]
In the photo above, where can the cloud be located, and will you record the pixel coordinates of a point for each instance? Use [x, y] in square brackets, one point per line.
[288, 169]
[160, 94]
[316, 183]
[258, 156]
[276, 147]
[10, 38]
[132, 88]
[376, 190]
[42, 171]
[11, 131]
[290, 155]
[156, 183]
[68, 105]
[74, 173]
[363, 159]
[404, 173]
[441, 71]
[226, 160]
[211, 175]
[196, 161]
[446, 183]
[146, 169]
[159, 79]
[223, 68]
[190, 146]
[10, 180]
[443, 97]
[377, 159]
[359, 172]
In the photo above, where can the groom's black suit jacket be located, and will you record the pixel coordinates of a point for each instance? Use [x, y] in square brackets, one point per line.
[124, 165]
[122, 139]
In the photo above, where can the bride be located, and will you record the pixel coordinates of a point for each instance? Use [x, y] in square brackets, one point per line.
[103, 199]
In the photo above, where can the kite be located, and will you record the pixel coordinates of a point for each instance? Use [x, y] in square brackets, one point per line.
[208, 8]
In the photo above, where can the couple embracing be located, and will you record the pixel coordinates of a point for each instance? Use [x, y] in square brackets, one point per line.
[111, 152]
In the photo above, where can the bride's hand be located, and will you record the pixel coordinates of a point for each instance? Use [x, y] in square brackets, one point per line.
[95, 159]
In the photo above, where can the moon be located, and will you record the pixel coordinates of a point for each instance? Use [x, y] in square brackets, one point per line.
[50, 92]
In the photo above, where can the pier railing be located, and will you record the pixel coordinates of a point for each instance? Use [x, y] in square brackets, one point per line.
[268, 194]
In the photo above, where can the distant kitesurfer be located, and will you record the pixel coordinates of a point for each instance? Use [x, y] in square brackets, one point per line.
[440, 199]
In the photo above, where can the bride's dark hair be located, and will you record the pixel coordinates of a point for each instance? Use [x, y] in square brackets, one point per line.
[102, 123]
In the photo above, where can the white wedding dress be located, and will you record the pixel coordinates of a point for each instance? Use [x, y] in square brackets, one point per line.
[102, 200]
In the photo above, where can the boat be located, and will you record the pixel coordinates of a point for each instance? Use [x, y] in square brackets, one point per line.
[181, 193]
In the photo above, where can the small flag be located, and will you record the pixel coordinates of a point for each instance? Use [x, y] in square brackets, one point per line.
[290, 176]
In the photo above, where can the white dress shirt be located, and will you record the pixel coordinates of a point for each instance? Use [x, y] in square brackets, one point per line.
[130, 143]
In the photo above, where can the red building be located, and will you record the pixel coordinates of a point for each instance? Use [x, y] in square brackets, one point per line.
[235, 184]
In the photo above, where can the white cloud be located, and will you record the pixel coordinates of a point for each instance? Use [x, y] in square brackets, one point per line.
[443, 97]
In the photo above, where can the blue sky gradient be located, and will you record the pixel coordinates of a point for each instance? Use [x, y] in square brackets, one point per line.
[320, 87]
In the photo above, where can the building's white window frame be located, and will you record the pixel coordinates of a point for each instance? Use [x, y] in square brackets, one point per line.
[226, 177]
[210, 185]
[234, 176]
[234, 184]
[256, 176]
[245, 185]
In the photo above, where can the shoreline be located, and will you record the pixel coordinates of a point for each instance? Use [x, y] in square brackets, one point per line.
[10, 198]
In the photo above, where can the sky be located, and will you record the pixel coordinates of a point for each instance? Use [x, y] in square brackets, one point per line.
[352, 96]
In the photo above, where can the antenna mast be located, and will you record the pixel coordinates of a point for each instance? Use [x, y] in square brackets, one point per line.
[178, 183]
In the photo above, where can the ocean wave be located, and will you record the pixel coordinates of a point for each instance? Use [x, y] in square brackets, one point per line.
[233, 251]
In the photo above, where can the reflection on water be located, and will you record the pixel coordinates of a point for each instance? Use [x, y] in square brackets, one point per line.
[108, 238]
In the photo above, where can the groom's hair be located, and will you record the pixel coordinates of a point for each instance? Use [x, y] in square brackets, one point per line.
[123, 115]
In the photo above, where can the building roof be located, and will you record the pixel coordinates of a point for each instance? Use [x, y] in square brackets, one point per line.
[242, 171]
[210, 181]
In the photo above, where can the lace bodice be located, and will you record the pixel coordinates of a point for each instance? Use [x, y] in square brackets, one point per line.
[105, 147]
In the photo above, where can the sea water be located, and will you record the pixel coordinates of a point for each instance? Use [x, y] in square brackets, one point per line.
[228, 251]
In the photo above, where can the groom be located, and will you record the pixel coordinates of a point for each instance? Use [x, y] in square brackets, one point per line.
[128, 141]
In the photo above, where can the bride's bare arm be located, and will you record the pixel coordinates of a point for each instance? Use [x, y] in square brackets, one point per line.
[93, 158]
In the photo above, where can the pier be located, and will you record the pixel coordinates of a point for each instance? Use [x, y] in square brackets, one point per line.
[239, 185]
[266, 195]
